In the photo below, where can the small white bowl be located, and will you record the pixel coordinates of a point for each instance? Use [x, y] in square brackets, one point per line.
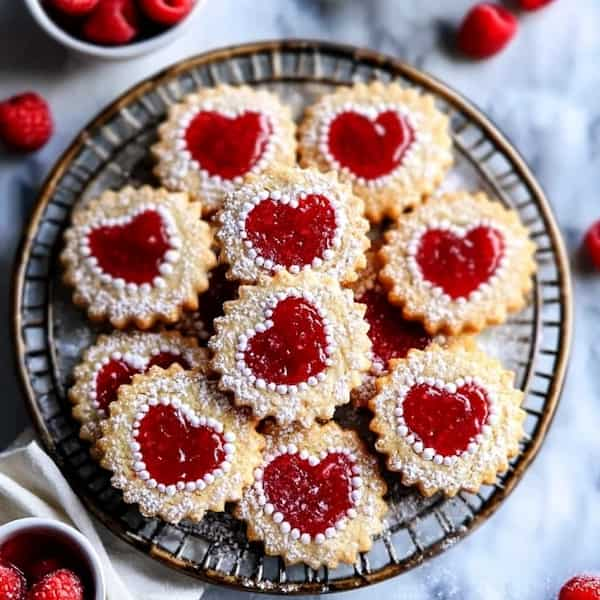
[89, 556]
[111, 52]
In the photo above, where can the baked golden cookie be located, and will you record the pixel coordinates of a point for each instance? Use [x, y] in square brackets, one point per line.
[138, 256]
[113, 361]
[392, 143]
[293, 220]
[177, 447]
[317, 497]
[447, 419]
[293, 349]
[459, 263]
[215, 137]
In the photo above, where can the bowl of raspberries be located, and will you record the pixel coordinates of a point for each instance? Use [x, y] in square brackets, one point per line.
[114, 29]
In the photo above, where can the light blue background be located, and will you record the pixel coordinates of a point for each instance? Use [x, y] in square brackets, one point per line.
[543, 91]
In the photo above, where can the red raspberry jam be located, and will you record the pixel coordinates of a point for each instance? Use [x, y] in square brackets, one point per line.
[444, 421]
[109, 379]
[293, 349]
[174, 450]
[459, 265]
[144, 238]
[392, 336]
[310, 499]
[292, 236]
[225, 146]
[370, 148]
[118, 372]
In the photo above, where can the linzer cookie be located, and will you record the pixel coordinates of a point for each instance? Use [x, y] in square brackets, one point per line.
[215, 137]
[177, 447]
[391, 143]
[113, 361]
[293, 220]
[447, 419]
[458, 264]
[138, 256]
[317, 497]
[293, 349]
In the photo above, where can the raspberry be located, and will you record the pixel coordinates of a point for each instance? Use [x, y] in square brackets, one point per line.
[592, 243]
[112, 22]
[486, 30]
[62, 584]
[533, 4]
[12, 583]
[43, 567]
[25, 122]
[167, 12]
[581, 587]
[74, 7]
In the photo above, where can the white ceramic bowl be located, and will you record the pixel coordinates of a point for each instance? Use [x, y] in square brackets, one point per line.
[111, 52]
[89, 557]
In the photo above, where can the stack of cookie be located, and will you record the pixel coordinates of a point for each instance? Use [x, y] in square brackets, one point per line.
[304, 313]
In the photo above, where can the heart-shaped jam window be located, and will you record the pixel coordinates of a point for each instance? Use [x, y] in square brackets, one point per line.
[133, 251]
[174, 450]
[119, 372]
[292, 236]
[391, 335]
[293, 348]
[310, 498]
[225, 146]
[457, 264]
[370, 148]
[444, 421]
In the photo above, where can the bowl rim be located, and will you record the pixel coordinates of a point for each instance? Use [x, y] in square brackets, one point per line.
[23, 524]
[130, 50]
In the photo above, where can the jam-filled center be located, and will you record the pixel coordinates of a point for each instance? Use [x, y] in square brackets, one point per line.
[370, 148]
[119, 372]
[293, 349]
[391, 335]
[133, 251]
[460, 264]
[292, 235]
[228, 146]
[445, 421]
[310, 498]
[175, 450]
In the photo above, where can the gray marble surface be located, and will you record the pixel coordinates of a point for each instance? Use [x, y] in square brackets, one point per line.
[543, 92]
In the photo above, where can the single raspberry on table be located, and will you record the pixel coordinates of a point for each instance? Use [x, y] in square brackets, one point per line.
[112, 22]
[13, 585]
[486, 29]
[581, 587]
[592, 243]
[166, 12]
[74, 7]
[59, 585]
[25, 122]
[533, 4]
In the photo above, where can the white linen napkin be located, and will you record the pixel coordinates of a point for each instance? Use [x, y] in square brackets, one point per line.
[31, 485]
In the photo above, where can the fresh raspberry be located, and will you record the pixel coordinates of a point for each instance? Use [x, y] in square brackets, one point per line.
[74, 7]
[112, 22]
[60, 585]
[592, 243]
[166, 12]
[25, 122]
[43, 567]
[12, 583]
[581, 587]
[533, 4]
[485, 30]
